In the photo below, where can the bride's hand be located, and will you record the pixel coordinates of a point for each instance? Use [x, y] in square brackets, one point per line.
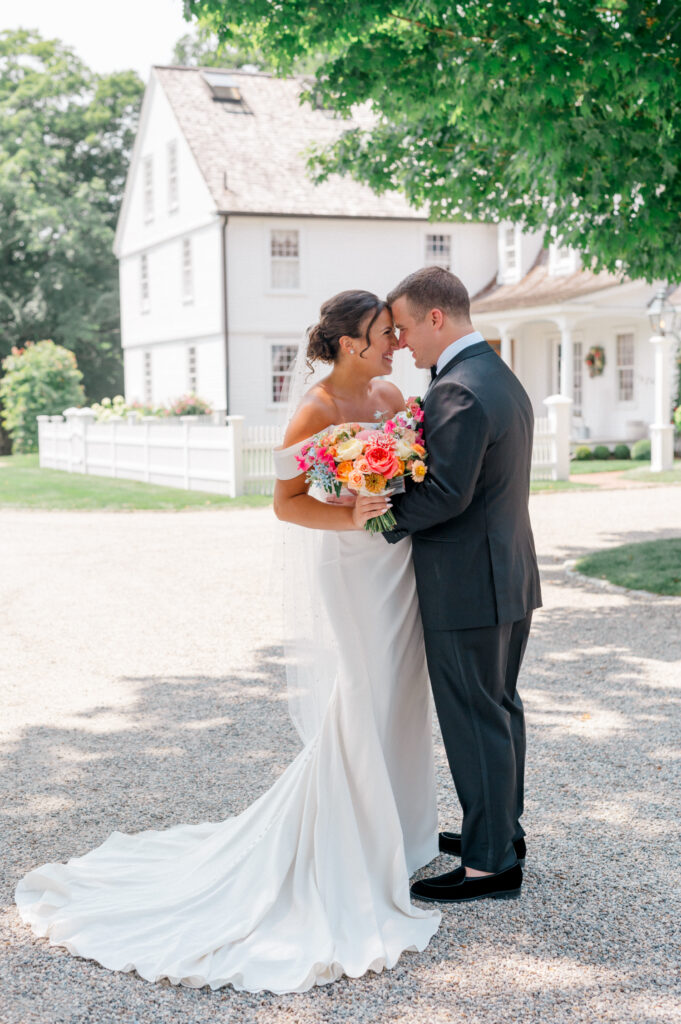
[368, 506]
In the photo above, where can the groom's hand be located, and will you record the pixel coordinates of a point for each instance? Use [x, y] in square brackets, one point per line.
[368, 506]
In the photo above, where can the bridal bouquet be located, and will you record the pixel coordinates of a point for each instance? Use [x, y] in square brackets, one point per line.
[368, 461]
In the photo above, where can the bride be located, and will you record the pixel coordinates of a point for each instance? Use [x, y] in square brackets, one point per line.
[312, 880]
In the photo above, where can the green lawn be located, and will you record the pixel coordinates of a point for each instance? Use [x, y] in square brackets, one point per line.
[559, 485]
[24, 485]
[652, 565]
[671, 476]
[603, 465]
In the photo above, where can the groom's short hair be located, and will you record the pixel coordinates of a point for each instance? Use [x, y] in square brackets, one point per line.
[434, 288]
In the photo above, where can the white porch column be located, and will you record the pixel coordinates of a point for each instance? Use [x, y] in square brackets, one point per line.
[567, 368]
[662, 431]
[506, 346]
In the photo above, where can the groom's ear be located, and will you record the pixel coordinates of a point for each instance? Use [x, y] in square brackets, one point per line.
[436, 319]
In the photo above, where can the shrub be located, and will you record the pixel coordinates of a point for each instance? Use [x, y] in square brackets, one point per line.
[583, 453]
[622, 451]
[189, 405]
[41, 379]
[601, 452]
[641, 450]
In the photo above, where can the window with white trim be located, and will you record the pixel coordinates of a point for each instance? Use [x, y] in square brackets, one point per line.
[625, 366]
[148, 188]
[562, 260]
[284, 259]
[438, 251]
[283, 357]
[510, 250]
[191, 369]
[144, 283]
[187, 271]
[173, 188]
[577, 378]
[147, 378]
[509, 256]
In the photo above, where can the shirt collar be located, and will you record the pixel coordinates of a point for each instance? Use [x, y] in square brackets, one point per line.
[458, 346]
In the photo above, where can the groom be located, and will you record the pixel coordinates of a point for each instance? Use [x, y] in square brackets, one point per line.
[476, 575]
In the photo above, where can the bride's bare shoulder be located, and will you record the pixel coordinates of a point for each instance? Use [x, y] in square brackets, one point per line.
[316, 411]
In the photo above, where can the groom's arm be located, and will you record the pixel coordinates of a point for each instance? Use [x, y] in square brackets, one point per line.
[458, 435]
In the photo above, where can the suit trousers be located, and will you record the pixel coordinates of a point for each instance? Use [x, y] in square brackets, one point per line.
[473, 673]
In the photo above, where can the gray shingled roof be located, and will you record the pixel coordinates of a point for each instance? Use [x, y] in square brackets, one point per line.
[262, 152]
[539, 288]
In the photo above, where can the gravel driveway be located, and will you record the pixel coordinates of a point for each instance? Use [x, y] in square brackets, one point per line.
[142, 685]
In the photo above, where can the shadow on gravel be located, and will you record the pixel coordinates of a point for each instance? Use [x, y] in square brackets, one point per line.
[608, 539]
[591, 939]
[181, 755]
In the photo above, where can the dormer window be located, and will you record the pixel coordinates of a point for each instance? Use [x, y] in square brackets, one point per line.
[562, 260]
[509, 254]
[225, 89]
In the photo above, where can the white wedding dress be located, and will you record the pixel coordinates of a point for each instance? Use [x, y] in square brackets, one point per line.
[312, 880]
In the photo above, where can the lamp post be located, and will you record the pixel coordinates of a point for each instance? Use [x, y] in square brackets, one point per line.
[663, 318]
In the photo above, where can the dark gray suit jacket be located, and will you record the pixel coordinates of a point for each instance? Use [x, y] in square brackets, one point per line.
[473, 548]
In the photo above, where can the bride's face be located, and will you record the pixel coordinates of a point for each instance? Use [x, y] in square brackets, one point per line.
[377, 360]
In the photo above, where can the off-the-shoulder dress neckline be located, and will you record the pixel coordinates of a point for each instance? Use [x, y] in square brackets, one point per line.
[299, 444]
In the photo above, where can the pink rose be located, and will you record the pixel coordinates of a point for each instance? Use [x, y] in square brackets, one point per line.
[382, 461]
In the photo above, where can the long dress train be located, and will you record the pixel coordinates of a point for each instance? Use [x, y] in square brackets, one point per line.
[312, 880]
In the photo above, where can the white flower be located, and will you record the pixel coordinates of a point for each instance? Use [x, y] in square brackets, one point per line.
[403, 449]
[349, 450]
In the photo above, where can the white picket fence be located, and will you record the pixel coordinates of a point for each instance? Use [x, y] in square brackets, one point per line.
[258, 461]
[189, 452]
[194, 453]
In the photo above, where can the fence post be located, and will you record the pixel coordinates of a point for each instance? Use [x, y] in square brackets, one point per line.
[236, 425]
[75, 440]
[186, 422]
[559, 407]
[43, 458]
[86, 418]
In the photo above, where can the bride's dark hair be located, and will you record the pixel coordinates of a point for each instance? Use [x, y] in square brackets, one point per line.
[341, 315]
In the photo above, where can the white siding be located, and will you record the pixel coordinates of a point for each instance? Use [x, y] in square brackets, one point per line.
[334, 255]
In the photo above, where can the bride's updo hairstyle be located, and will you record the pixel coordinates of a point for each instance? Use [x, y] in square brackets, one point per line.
[338, 316]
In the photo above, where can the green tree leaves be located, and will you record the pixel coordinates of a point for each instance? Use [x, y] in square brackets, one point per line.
[65, 139]
[40, 379]
[559, 115]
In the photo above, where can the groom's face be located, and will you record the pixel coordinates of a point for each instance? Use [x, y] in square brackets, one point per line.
[421, 334]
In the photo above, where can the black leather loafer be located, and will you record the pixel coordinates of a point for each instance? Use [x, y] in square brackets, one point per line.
[454, 887]
[450, 842]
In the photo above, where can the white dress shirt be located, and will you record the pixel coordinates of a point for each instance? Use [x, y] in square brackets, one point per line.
[457, 346]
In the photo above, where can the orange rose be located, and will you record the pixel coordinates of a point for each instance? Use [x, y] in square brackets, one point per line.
[343, 470]
[419, 449]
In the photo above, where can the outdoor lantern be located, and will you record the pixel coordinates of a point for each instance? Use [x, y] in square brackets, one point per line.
[662, 315]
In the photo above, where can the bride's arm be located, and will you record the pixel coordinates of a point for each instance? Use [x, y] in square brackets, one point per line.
[293, 504]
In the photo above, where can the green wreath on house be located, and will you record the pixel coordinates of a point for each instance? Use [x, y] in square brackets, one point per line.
[595, 360]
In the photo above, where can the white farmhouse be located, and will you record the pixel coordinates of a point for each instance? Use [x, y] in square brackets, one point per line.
[227, 249]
